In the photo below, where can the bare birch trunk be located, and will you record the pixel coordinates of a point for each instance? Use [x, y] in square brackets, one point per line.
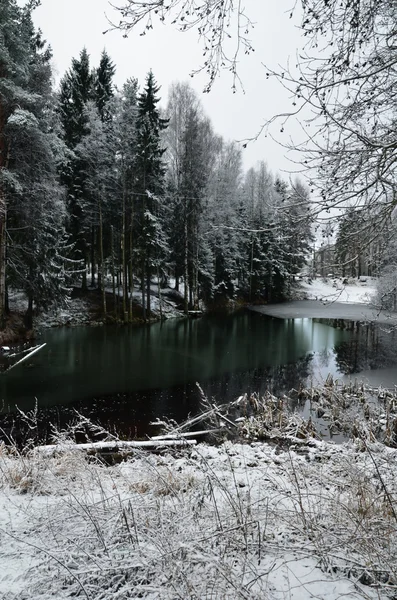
[131, 279]
[159, 292]
[4, 160]
[113, 268]
[186, 266]
[102, 269]
[123, 250]
[93, 256]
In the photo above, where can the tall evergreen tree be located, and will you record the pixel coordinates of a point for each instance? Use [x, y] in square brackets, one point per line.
[150, 184]
[31, 199]
[79, 86]
[76, 89]
[103, 89]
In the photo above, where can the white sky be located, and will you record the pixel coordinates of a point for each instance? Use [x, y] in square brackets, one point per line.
[68, 25]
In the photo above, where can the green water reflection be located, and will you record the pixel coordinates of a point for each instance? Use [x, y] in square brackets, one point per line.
[82, 362]
[128, 375]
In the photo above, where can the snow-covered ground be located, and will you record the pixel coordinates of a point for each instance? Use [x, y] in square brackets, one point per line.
[228, 522]
[334, 290]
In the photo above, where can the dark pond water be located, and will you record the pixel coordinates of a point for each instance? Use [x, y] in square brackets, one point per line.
[124, 377]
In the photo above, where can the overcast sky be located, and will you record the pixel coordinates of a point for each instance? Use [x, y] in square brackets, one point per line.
[68, 25]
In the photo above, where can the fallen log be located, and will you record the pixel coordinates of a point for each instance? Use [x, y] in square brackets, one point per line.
[114, 446]
[190, 434]
[32, 351]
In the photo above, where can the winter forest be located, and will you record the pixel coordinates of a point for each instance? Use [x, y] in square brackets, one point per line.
[247, 449]
[107, 188]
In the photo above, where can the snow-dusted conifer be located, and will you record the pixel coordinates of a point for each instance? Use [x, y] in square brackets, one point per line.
[103, 88]
[150, 180]
[31, 233]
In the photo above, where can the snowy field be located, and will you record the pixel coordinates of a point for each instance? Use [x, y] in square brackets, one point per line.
[236, 521]
[334, 290]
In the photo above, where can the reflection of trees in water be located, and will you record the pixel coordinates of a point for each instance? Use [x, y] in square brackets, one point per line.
[323, 357]
[370, 347]
[276, 379]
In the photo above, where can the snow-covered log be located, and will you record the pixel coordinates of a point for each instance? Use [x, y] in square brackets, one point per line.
[114, 446]
[32, 351]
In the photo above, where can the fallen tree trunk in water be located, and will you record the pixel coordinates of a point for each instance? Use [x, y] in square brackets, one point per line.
[32, 351]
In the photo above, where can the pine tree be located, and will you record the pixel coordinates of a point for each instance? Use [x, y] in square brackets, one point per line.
[76, 90]
[97, 150]
[150, 182]
[103, 89]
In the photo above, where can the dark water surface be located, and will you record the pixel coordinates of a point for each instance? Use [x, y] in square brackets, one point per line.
[124, 377]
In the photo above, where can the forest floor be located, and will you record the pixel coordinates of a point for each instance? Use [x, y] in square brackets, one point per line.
[355, 291]
[85, 308]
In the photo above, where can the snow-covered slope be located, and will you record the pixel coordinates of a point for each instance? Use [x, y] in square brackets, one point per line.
[334, 290]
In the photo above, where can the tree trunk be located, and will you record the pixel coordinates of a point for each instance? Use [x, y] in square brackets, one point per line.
[196, 300]
[102, 266]
[143, 289]
[123, 256]
[4, 160]
[113, 268]
[251, 267]
[7, 304]
[84, 276]
[93, 256]
[159, 292]
[131, 279]
[186, 265]
[29, 313]
[99, 241]
[148, 291]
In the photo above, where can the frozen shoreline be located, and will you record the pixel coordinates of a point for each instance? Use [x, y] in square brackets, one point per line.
[316, 309]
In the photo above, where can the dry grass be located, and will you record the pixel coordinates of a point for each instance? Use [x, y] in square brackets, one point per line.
[230, 522]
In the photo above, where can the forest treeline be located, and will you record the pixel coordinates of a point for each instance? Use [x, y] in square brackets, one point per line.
[101, 187]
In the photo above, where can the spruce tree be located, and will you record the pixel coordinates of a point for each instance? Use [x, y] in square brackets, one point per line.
[76, 89]
[79, 86]
[103, 89]
[31, 198]
[150, 184]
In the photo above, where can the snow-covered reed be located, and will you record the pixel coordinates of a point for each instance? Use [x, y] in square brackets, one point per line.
[236, 521]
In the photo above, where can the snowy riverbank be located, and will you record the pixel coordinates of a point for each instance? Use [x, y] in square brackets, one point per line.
[356, 291]
[235, 521]
[333, 299]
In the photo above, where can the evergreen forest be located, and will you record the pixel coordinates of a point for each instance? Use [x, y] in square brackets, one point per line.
[110, 190]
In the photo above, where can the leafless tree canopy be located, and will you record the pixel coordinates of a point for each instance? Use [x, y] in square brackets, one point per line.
[223, 28]
[346, 74]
